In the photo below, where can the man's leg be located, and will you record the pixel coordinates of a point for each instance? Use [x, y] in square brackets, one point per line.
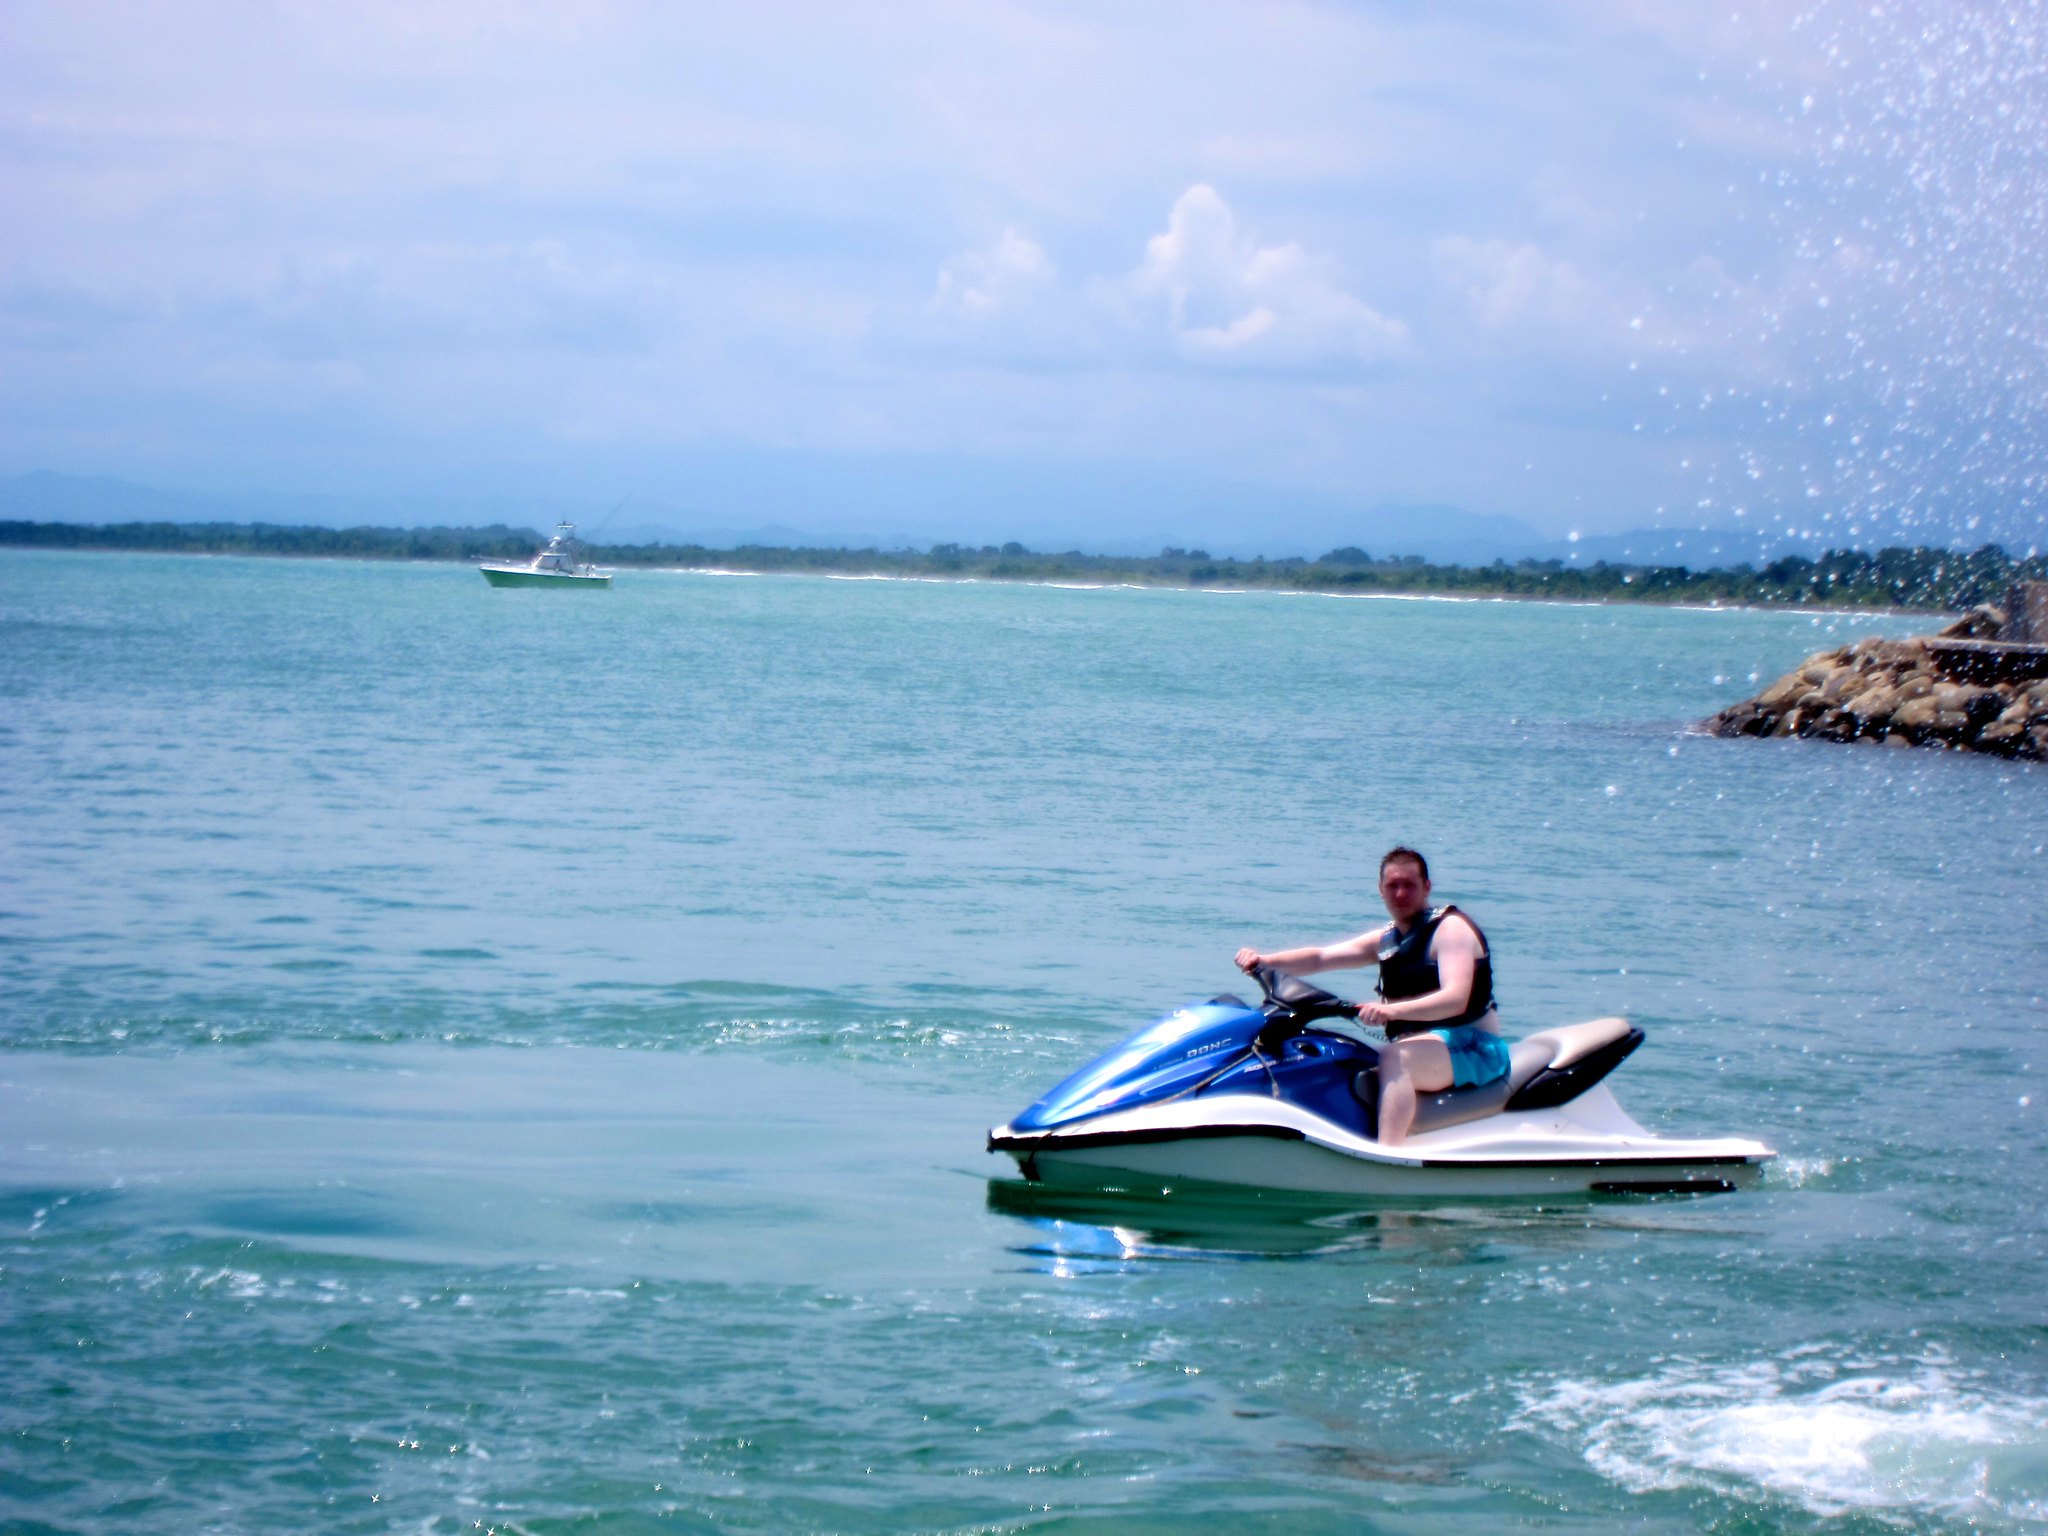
[1417, 1064]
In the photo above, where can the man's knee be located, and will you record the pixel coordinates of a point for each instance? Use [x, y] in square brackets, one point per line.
[1397, 1061]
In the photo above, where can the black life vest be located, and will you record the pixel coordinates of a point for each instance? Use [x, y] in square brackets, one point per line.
[1406, 970]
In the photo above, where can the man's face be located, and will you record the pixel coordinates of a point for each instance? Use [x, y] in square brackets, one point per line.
[1404, 891]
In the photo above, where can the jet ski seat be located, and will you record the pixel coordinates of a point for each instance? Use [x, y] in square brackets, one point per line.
[1548, 1068]
[1563, 1046]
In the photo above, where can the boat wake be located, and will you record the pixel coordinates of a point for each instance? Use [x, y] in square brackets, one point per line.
[1902, 1441]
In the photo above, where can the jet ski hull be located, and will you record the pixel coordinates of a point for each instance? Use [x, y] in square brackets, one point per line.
[1247, 1141]
[1266, 1162]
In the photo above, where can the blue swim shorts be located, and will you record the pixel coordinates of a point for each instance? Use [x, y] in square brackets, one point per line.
[1478, 1056]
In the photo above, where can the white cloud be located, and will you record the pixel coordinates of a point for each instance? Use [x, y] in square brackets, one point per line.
[1228, 300]
[998, 277]
[1504, 286]
[1205, 292]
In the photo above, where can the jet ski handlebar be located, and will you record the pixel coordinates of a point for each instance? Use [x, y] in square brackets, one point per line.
[1291, 1004]
[1294, 994]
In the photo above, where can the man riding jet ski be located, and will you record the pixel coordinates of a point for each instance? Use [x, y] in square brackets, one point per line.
[1435, 970]
[1225, 1093]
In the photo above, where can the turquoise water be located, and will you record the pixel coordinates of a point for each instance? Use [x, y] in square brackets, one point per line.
[484, 1060]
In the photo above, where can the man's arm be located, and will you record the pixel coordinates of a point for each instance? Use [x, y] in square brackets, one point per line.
[1456, 952]
[1346, 953]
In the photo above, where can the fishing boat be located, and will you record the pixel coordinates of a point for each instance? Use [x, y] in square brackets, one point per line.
[555, 566]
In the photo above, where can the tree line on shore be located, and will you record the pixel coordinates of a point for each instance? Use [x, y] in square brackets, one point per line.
[1937, 579]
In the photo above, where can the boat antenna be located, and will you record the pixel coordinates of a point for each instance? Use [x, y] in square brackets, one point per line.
[608, 517]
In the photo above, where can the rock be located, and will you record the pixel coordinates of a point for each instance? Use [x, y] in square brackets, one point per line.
[1916, 714]
[1833, 725]
[1984, 706]
[1983, 622]
[1782, 693]
[1875, 705]
[2003, 736]
[1981, 705]
[1740, 720]
[1951, 725]
[1892, 692]
[2026, 603]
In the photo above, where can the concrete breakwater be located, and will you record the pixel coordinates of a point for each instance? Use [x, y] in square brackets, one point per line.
[1980, 685]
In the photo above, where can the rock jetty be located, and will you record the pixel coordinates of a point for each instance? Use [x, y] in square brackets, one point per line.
[1980, 685]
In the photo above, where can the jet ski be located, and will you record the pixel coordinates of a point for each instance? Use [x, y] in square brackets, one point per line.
[1270, 1098]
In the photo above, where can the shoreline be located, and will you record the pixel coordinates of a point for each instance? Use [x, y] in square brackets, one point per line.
[1675, 604]
[1133, 583]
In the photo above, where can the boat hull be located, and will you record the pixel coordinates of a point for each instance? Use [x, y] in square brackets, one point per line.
[498, 576]
[1250, 1141]
[1263, 1162]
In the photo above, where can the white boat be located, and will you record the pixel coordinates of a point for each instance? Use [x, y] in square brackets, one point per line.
[555, 566]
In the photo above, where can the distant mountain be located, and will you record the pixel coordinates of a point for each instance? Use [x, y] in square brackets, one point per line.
[43, 497]
[767, 536]
[1452, 535]
[1445, 534]
[1702, 549]
[1698, 549]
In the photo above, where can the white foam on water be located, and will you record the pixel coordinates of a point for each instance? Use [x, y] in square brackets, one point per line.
[1798, 1172]
[1898, 1441]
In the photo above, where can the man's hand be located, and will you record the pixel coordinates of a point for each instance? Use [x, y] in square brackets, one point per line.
[1248, 959]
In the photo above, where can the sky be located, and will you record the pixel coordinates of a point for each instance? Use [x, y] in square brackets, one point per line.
[1117, 275]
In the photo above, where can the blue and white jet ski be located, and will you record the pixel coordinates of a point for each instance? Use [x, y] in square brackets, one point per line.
[1224, 1093]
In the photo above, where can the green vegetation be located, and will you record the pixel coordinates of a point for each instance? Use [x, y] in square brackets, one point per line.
[1935, 579]
[494, 543]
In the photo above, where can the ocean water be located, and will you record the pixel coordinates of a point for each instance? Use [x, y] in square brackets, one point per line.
[513, 1061]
